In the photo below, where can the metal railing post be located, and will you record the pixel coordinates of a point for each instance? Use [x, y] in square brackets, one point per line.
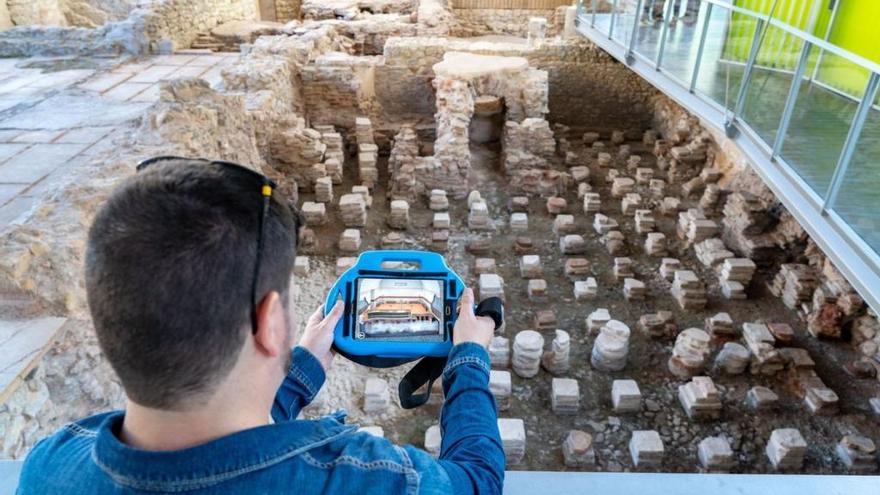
[595, 4]
[613, 19]
[791, 100]
[664, 32]
[852, 139]
[729, 126]
[635, 31]
[703, 36]
[815, 73]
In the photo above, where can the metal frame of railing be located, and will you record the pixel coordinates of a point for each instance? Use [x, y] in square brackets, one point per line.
[734, 123]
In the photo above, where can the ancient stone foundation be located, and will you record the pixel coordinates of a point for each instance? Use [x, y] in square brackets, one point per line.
[663, 310]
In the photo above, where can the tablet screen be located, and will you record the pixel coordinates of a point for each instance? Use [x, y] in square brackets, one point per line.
[399, 309]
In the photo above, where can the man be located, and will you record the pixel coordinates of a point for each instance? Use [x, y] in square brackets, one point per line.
[188, 267]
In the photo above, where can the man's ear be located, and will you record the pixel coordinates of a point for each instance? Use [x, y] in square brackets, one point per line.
[271, 336]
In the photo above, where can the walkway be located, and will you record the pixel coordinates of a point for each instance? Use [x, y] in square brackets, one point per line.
[58, 114]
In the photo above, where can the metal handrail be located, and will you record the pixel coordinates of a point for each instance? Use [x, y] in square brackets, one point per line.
[812, 39]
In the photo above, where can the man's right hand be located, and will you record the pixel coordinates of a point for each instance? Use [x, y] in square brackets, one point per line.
[471, 328]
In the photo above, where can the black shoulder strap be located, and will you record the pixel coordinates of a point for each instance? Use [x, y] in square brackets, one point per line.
[425, 371]
[430, 368]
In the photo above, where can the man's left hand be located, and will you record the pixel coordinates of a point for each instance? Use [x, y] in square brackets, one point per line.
[318, 335]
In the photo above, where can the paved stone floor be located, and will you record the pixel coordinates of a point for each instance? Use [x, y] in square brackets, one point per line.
[57, 114]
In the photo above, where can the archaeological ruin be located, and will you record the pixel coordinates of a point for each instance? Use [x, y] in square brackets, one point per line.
[666, 312]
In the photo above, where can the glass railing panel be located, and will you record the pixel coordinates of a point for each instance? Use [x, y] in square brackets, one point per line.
[858, 201]
[770, 82]
[836, 72]
[650, 27]
[683, 39]
[719, 76]
[601, 14]
[624, 12]
[819, 125]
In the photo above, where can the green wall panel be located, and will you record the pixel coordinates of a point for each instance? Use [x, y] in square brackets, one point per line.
[855, 29]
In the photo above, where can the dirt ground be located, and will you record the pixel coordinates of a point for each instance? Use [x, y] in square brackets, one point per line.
[746, 430]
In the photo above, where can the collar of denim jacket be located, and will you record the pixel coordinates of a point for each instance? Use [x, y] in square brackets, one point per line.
[214, 462]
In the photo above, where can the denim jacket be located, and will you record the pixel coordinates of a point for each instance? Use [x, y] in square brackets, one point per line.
[290, 456]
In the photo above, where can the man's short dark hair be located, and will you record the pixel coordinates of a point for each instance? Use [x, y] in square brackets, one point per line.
[169, 267]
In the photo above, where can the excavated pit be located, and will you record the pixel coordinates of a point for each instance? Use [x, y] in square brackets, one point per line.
[416, 99]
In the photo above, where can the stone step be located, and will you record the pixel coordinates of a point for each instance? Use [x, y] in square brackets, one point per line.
[24, 343]
[215, 47]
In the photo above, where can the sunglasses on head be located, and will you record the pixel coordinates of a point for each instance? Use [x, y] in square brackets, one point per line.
[265, 188]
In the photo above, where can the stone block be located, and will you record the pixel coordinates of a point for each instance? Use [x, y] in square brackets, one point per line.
[441, 220]
[528, 346]
[491, 285]
[350, 241]
[700, 399]
[537, 290]
[585, 289]
[433, 440]
[301, 266]
[530, 266]
[576, 267]
[572, 244]
[377, 397]
[484, 265]
[577, 449]
[513, 439]
[786, 449]
[499, 352]
[646, 448]
[519, 222]
[500, 386]
[565, 396]
[611, 347]
[398, 218]
[857, 453]
[715, 454]
[313, 213]
[564, 224]
[626, 396]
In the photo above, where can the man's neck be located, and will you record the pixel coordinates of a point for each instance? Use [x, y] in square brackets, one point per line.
[154, 429]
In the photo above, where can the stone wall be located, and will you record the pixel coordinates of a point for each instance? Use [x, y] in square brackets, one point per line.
[588, 88]
[182, 20]
[177, 20]
[514, 22]
[5, 18]
[115, 38]
[338, 88]
[36, 12]
[94, 13]
[287, 10]
[350, 10]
